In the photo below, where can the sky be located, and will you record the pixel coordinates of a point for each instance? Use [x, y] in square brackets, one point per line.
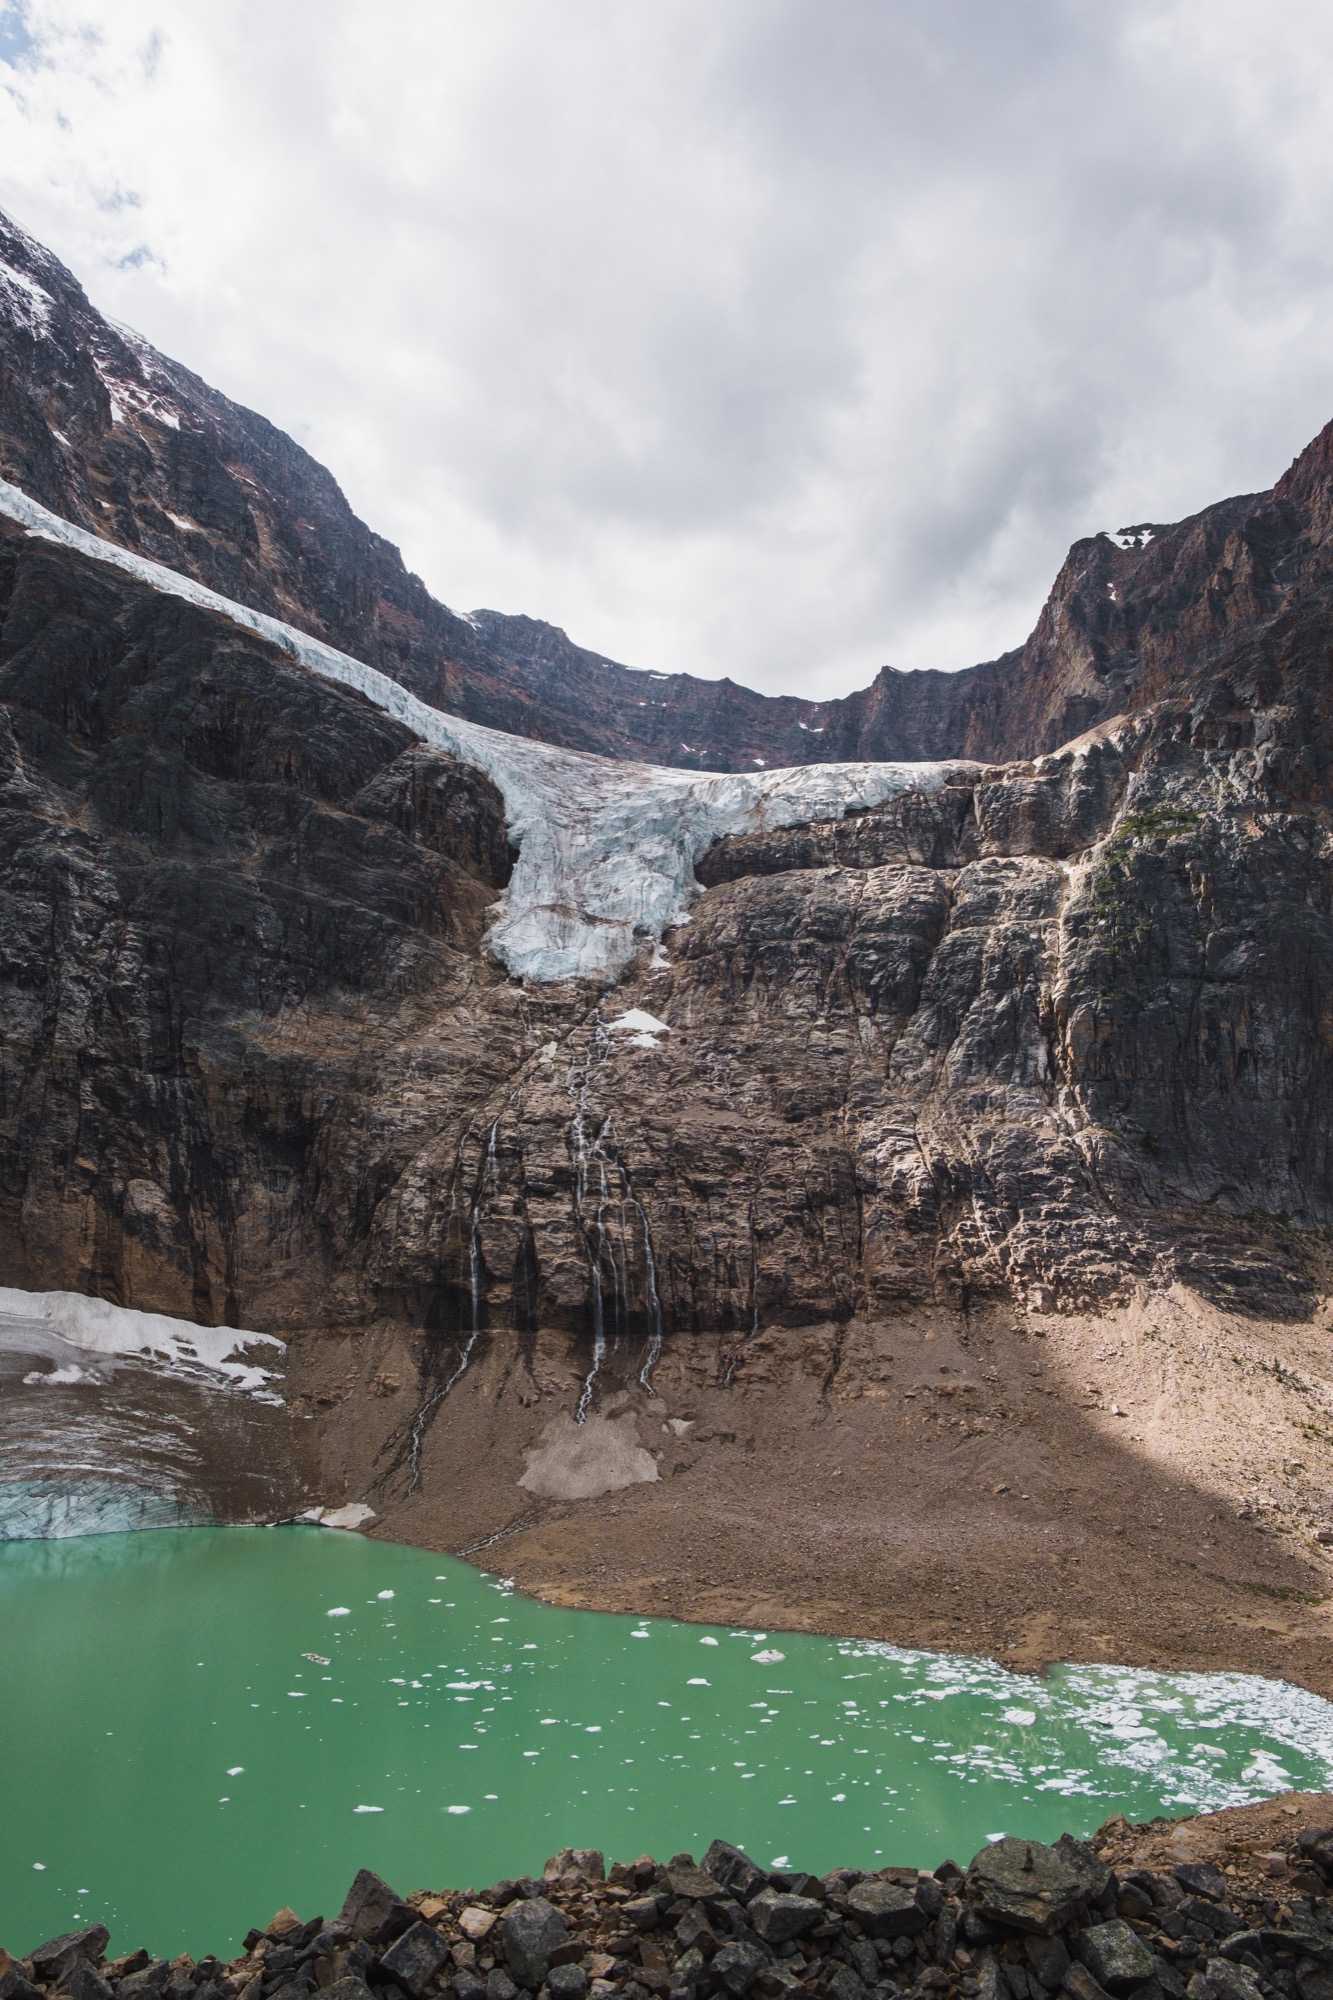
[772, 338]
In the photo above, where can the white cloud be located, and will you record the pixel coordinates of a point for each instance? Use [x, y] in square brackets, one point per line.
[765, 339]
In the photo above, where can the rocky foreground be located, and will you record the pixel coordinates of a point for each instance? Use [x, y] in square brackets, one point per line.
[1023, 1922]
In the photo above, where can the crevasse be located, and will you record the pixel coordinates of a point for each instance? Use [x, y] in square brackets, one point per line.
[606, 850]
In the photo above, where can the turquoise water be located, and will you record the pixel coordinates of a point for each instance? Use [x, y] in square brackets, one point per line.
[176, 1766]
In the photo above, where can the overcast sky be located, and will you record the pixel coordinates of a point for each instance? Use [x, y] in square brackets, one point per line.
[778, 338]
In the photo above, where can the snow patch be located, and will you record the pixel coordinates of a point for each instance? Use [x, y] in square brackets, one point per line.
[172, 1346]
[24, 301]
[1130, 538]
[355, 1514]
[606, 850]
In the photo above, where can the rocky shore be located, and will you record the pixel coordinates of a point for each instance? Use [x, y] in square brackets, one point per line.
[1234, 1906]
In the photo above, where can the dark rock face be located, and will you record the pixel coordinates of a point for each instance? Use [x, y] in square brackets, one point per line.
[998, 1040]
[203, 850]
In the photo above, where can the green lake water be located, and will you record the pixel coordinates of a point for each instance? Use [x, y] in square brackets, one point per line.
[175, 1765]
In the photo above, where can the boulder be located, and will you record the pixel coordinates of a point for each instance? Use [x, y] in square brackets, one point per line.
[566, 1982]
[85, 1982]
[695, 1885]
[736, 1966]
[374, 1911]
[416, 1959]
[587, 1864]
[52, 1961]
[1116, 1955]
[733, 1868]
[1221, 1980]
[1022, 1885]
[1080, 1984]
[1200, 1878]
[529, 1932]
[887, 1906]
[777, 1919]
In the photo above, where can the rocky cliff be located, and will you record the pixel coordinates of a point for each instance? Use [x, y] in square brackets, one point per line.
[1044, 1045]
[107, 432]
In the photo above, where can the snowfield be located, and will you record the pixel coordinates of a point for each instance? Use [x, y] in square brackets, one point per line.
[606, 850]
[95, 1331]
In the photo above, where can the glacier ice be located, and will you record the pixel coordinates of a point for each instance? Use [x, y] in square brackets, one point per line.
[606, 850]
[87, 1327]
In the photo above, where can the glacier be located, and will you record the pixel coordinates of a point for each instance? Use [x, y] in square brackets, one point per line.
[606, 849]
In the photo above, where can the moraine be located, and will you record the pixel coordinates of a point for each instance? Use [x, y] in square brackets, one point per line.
[204, 1724]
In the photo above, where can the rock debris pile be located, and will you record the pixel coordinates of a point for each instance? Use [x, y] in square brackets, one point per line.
[1023, 1922]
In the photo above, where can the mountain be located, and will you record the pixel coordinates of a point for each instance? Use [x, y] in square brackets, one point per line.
[930, 1225]
[110, 434]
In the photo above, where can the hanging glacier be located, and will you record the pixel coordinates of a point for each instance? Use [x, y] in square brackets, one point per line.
[606, 849]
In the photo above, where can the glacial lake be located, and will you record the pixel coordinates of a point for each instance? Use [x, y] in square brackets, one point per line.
[176, 1765]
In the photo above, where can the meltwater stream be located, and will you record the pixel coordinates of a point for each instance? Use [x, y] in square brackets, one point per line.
[179, 1759]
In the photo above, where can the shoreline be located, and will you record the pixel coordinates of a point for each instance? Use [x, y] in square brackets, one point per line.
[1039, 1490]
[1206, 1905]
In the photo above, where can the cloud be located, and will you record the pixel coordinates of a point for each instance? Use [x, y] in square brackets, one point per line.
[767, 339]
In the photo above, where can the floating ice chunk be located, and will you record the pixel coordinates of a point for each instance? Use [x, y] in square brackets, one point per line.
[710, 1642]
[456, 1810]
[768, 1657]
[384, 1595]
[235, 1770]
[40, 1866]
[367, 1809]
[339, 1611]
[697, 1682]
[1022, 1716]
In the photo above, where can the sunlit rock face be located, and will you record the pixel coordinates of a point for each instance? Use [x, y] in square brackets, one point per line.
[111, 1420]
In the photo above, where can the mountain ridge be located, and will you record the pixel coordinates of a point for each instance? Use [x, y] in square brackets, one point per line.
[98, 426]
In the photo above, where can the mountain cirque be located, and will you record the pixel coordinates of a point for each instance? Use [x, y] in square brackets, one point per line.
[968, 1155]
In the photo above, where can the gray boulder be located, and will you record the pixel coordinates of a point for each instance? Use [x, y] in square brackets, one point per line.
[416, 1959]
[374, 1911]
[777, 1919]
[887, 1906]
[529, 1932]
[51, 1962]
[1023, 1886]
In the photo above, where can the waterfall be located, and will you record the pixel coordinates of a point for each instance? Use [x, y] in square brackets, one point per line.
[654, 1351]
[426, 1410]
